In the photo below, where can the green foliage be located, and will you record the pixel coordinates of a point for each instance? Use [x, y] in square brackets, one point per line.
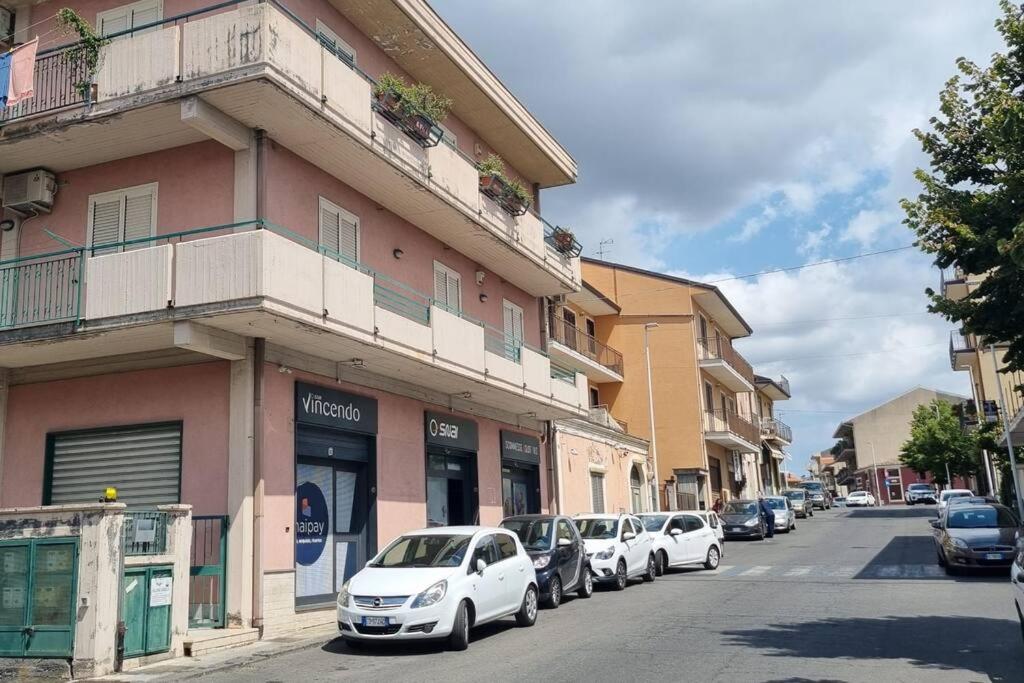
[414, 99]
[494, 165]
[86, 51]
[937, 439]
[970, 212]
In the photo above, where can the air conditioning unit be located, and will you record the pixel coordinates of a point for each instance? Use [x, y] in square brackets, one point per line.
[558, 299]
[31, 191]
[6, 26]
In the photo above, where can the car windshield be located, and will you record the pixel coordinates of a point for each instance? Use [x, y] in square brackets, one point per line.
[434, 550]
[535, 534]
[654, 522]
[736, 507]
[859, 494]
[981, 518]
[813, 487]
[946, 495]
[597, 528]
[921, 487]
[776, 503]
[795, 495]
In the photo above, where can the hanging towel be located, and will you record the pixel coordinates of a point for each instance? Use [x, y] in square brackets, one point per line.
[5, 78]
[23, 71]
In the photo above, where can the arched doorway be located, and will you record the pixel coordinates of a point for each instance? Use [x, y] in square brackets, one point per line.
[636, 488]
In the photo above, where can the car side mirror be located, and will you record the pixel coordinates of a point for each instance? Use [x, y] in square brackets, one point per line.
[628, 536]
[936, 524]
[676, 532]
[480, 565]
[564, 543]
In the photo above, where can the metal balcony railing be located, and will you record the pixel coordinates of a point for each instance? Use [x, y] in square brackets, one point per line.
[568, 335]
[40, 289]
[776, 429]
[720, 348]
[731, 422]
[959, 343]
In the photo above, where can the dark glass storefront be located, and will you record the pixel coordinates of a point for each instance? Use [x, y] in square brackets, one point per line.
[452, 489]
[520, 473]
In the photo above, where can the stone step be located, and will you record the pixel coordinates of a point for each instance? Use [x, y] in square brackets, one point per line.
[202, 641]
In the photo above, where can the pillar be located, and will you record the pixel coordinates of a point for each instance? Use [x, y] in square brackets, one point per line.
[238, 607]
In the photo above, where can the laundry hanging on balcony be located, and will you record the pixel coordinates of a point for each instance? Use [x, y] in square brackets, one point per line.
[17, 74]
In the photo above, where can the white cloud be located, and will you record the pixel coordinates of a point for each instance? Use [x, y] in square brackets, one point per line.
[815, 240]
[865, 226]
[755, 224]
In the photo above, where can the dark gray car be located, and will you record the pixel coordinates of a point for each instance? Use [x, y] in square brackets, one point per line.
[741, 519]
[801, 502]
[976, 536]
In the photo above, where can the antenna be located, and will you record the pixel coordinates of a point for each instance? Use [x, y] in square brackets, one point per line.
[601, 247]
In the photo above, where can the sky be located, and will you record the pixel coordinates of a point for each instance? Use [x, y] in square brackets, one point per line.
[717, 139]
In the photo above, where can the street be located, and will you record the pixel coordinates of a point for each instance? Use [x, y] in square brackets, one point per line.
[851, 595]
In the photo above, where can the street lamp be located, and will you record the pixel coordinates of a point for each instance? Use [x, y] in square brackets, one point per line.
[874, 465]
[656, 502]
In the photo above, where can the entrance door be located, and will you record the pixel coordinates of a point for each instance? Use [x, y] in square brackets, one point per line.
[451, 488]
[519, 494]
[37, 597]
[569, 320]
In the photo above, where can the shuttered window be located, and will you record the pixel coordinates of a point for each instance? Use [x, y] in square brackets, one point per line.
[339, 230]
[513, 319]
[597, 491]
[129, 16]
[143, 463]
[447, 288]
[121, 216]
[338, 47]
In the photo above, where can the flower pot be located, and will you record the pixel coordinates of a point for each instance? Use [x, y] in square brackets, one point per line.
[515, 205]
[493, 186]
[419, 126]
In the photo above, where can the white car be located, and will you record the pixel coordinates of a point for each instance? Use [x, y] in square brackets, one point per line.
[710, 517]
[945, 495]
[1017, 580]
[860, 499]
[618, 546]
[437, 583]
[681, 539]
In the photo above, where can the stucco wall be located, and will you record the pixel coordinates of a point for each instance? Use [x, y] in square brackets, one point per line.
[197, 395]
[579, 456]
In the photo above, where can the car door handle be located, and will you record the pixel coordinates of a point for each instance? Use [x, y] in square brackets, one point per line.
[501, 577]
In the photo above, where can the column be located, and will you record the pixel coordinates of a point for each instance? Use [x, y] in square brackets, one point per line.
[238, 610]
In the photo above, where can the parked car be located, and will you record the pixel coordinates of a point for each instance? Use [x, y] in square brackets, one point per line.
[976, 536]
[618, 547]
[802, 504]
[741, 519]
[944, 497]
[559, 558]
[921, 493]
[681, 539]
[712, 520]
[839, 501]
[820, 497]
[785, 515]
[436, 583]
[1017, 581]
[860, 499]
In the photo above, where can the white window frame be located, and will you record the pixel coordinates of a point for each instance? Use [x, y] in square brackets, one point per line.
[342, 213]
[123, 193]
[450, 273]
[130, 7]
[325, 30]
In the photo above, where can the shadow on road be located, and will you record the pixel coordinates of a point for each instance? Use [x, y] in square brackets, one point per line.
[987, 646]
[407, 648]
[906, 557]
[891, 512]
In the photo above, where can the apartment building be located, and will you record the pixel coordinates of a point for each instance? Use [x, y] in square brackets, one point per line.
[775, 434]
[822, 468]
[235, 276]
[869, 446]
[676, 340]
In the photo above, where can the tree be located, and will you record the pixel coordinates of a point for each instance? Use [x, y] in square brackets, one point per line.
[937, 439]
[970, 212]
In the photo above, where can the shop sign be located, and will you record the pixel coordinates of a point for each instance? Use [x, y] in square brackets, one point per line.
[520, 447]
[333, 408]
[311, 519]
[451, 431]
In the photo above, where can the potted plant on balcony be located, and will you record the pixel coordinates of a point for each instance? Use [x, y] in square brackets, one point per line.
[416, 109]
[84, 56]
[511, 195]
[565, 241]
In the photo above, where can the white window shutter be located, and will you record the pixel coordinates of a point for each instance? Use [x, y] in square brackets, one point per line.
[454, 295]
[138, 218]
[143, 15]
[348, 237]
[114, 22]
[440, 285]
[106, 220]
[508, 316]
[330, 221]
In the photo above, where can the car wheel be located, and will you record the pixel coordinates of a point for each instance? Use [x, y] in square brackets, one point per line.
[811, 513]
[459, 639]
[527, 614]
[951, 570]
[554, 594]
[660, 563]
[651, 569]
[587, 589]
[620, 576]
[713, 558]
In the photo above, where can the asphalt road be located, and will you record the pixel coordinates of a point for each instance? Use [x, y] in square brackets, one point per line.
[851, 595]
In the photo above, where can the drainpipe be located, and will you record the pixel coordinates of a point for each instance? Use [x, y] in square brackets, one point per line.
[259, 357]
[556, 466]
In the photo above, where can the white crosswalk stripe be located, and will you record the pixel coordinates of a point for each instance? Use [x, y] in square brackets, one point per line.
[814, 572]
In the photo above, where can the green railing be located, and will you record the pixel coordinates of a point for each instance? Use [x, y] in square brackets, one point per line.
[40, 289]
[145, 532]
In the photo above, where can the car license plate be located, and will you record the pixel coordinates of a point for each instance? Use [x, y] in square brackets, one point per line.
[736, 528]
[993, 556]
[375, 621]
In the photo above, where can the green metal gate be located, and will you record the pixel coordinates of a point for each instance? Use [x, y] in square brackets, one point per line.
[38, 580]
[206, 589]
[146, 610]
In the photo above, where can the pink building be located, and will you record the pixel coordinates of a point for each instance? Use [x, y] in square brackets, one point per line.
[231, 277]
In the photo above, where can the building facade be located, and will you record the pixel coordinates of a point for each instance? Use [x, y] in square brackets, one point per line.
[775, 434]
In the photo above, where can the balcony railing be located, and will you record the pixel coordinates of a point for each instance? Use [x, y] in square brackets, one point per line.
[572, 337]
[776, 429]
[728, 421]
[60, 83]
[720, 348]
[40, 289]
[959, 343]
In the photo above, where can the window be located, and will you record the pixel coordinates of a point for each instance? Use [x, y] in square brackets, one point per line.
[129, 16]
[506, 546]
[626, 528]
[676, 523]
[513, 316]
[595, 397]
[564, 530]
[709, 396]
[338, 47]
[703, 327]
[485, 551]
[339, 230]
[591, 334]
[597, 492]
[121, 216]
[692, 523]
[447, 288]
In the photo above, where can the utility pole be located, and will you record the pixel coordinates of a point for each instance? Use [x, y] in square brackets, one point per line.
[656, 502]
[1009, 437]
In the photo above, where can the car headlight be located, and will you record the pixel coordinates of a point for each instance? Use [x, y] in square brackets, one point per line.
[343, 595]
[605, 554]
[961, 543]
[751, 522]
[541, 561]
[432, 595]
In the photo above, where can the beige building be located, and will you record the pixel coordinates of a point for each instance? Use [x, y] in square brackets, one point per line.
[775, 434]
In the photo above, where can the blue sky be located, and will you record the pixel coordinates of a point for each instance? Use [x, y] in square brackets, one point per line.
[722, 138]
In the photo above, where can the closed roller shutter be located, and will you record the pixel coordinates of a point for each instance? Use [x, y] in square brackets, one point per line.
[143, 463]
[597, 492]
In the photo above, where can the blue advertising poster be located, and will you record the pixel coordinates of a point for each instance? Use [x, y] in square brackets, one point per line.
[314, 531]
[311, 520]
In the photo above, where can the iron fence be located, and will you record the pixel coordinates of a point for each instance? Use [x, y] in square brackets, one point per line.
[42, 289]
[720, 348]
[145, 532]
[732, 422]
[572, 337]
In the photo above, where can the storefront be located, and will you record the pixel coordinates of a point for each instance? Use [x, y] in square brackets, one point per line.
[453, 493]
[335, 489]
[520, 474]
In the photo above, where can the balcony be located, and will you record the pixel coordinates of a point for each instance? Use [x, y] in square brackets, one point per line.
[717, 357]
[576, 349]
[259, 66]
[953, 283]
[732, 431]
[206, 289]
[776, 430]
[961, 350]
[599, 414]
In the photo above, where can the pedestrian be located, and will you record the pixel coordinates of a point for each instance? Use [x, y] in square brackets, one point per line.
[767, 516]
[717, 507]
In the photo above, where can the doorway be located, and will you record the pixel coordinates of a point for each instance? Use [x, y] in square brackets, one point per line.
[451, 487]
[520, 494]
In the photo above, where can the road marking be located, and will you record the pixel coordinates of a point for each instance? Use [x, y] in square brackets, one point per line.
[799, 571]
[759, 570]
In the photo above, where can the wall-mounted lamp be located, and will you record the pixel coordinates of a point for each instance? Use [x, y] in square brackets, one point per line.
[284, 370]
[483, 298]
[398, 253]
[7, 225]
[480, 277]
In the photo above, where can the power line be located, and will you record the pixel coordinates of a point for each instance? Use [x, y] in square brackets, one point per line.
[812, 264]
[848, 317]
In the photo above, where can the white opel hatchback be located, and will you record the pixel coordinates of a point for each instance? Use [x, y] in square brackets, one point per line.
[681, 539]
[618, 546]
[438, 583]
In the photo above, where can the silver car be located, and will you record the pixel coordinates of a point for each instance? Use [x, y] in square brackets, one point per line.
[785, 515]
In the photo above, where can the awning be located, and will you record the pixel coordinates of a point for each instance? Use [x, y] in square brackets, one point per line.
[777, 453]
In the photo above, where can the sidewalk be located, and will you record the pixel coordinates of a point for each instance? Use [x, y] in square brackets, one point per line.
[188, 668]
